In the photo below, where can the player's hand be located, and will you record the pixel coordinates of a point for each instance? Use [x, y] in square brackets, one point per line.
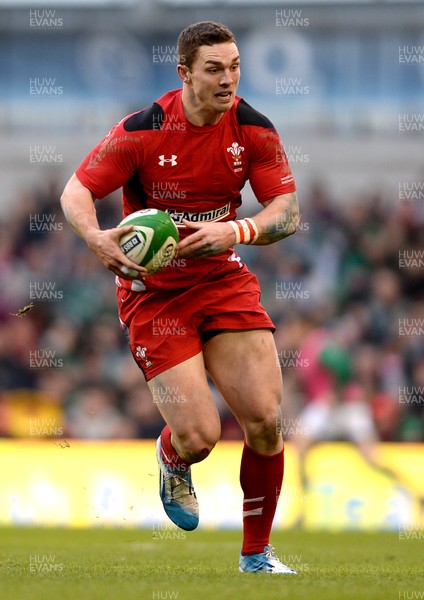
[105, 244]
[208, 239]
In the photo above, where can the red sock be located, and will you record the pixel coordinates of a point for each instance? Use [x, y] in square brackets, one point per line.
[261, 478]
[169, 454]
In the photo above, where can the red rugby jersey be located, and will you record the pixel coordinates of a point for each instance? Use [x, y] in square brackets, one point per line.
[163, 161]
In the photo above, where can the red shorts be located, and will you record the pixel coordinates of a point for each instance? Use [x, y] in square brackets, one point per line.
[165, 328]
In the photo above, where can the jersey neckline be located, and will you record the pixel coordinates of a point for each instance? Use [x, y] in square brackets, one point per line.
[202, 129]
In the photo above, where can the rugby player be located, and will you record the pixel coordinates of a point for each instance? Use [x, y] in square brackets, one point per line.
[202, 142]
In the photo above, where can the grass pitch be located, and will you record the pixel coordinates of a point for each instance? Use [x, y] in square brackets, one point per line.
[133, 564]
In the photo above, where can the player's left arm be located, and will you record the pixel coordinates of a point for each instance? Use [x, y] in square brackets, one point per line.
[278, 219]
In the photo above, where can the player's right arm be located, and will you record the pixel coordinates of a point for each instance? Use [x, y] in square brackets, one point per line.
[77, 203]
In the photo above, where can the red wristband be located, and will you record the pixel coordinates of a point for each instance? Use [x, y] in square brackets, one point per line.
[246, 230]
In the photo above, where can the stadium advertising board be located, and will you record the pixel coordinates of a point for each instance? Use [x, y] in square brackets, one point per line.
[85, 484]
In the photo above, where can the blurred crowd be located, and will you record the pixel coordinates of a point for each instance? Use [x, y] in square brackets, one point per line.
[349, 315]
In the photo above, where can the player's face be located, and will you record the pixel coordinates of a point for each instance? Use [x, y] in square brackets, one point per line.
[214, 77]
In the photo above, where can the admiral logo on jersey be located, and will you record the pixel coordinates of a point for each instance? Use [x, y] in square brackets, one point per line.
[211, 215]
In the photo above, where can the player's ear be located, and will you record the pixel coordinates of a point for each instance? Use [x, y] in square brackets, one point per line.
[184, 73]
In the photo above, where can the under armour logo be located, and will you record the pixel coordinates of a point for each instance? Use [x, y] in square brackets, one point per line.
[172, 160]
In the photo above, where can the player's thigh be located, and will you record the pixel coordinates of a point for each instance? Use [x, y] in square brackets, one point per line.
[245, 367]
[184, 399]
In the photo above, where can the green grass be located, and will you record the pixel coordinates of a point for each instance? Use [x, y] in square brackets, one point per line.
[129, 564]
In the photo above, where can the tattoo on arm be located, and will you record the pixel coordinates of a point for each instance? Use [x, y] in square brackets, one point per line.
[285, 223]
[270, 233]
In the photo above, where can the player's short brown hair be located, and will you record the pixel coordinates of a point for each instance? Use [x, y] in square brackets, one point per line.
[204, 33]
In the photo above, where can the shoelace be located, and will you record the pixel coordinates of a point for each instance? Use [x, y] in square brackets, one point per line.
[270, 553]
[179, 486]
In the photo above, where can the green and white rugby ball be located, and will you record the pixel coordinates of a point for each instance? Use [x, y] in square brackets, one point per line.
[153, 240]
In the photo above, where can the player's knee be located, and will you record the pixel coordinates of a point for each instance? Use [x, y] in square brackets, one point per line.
[267, 427]
[197, 445]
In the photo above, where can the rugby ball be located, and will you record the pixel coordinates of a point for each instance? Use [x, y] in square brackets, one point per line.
[153, 240]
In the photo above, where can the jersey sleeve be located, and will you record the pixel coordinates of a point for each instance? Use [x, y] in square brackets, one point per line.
[112, 162]
[269, 171]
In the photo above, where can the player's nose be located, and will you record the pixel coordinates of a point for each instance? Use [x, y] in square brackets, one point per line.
[226, 78]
